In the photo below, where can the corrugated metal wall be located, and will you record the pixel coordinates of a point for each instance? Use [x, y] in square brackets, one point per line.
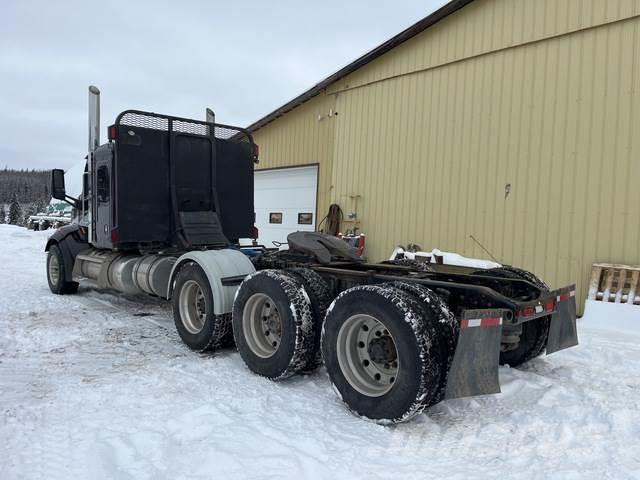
[539, 95]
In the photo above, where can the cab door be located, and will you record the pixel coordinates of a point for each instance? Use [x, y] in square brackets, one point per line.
[103, 197]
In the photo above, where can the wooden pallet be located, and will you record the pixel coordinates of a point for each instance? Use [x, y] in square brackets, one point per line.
[615, 283]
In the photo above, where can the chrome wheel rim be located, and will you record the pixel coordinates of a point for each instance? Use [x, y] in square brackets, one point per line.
[54, 269]
[262, 325]
[193, 308]
[367, 355]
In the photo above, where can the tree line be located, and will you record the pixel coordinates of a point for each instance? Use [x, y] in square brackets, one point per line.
[23, 193]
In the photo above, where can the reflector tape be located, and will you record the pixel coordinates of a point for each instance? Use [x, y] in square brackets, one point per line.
[481, 322]
[566, 296]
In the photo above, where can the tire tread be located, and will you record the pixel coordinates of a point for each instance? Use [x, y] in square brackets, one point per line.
[424, 331]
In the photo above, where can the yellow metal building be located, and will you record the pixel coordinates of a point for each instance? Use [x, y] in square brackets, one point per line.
[516, 122]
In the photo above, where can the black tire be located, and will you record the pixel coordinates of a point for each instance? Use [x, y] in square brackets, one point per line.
[535, 333]
[57, 282]
[443, 320]
[214, 327]
[533, 341]
[321, 296]
[416, 341]
[525, 275]
[294, 331]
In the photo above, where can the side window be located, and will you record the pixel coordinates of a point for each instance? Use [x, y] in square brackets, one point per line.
[103, 190]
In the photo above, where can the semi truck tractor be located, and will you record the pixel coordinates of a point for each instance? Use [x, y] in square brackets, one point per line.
[165, 203]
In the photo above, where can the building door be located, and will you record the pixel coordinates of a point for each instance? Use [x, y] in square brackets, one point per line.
[285, 202]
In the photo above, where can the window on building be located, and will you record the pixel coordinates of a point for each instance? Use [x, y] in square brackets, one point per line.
[305, 218]
[275, 217]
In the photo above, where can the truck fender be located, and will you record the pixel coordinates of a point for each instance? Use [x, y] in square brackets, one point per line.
[225, 270]
[71, 239]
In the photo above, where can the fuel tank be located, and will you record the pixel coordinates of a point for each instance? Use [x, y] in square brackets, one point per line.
[125, 272]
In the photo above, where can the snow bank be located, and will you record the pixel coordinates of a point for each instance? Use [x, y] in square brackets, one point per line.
[448, 258]
[619, 317]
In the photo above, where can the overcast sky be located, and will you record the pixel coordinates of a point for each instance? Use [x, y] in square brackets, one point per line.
[243, 59]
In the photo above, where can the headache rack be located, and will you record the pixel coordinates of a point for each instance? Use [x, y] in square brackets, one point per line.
[179, 183]
[155, 121]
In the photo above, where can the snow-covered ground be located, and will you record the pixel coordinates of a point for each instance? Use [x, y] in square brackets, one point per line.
[98, 386]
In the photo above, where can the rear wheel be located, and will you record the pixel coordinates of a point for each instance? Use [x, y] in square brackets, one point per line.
[273, 325]
[531, 337]
[533, 340]
[56, 273]
[320, 295]
[436, 311]
[382, 355]
[192, 300]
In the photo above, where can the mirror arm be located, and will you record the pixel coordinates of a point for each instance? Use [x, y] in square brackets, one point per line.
[72, 201]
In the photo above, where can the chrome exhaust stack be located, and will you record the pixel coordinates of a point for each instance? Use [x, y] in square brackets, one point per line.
[94, 118]
[94, 142]
[210, 117]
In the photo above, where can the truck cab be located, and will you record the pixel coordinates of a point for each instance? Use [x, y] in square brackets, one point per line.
[161, 189]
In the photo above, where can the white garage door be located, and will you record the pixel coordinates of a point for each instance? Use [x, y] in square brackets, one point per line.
[285, 202]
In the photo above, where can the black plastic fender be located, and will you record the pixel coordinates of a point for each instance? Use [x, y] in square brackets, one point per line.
[71, 239]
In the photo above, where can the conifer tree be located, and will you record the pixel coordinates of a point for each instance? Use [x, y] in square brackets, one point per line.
[15, 211]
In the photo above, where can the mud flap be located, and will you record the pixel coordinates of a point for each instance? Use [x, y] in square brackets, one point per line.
[562, 331]
[474, 370]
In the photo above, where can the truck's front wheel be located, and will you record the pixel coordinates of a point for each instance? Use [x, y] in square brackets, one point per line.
[197, 324]
[56, 273]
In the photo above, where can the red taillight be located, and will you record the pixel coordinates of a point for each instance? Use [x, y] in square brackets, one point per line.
[255, 233]
[112, 132]
[114, 235]
[549, 306]
[361, 243]
[527, 312]
[256, 151]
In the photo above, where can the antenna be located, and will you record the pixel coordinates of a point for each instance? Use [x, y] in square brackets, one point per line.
[482, 247]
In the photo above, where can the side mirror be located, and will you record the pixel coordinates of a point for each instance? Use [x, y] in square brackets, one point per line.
[57, 184]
